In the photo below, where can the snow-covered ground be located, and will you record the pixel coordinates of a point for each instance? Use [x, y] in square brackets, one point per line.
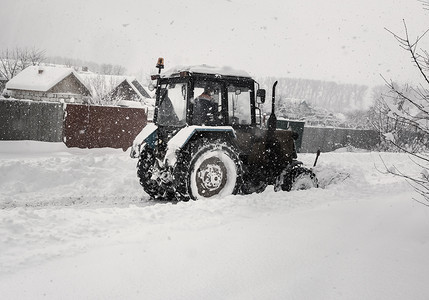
[75, 224]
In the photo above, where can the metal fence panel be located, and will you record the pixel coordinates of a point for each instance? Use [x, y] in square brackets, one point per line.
[330, 139]
[29, 120]
[102, 126]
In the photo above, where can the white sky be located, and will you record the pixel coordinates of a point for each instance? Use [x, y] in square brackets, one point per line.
[339, 40]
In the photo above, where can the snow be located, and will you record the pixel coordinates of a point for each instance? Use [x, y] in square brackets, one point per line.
[389, 136]
[75, 224]
[30, 79]
[111, 81]
[134, 104]
[206, 69]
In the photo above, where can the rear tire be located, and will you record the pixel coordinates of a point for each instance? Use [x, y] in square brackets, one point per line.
[210, 168]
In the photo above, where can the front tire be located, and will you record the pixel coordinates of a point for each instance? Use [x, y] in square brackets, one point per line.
[296, 178]
[145, 169]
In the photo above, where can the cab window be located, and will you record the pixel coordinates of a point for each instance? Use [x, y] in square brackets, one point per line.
[172, 104]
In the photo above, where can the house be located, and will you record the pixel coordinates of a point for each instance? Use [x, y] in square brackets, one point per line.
[130, 92]
[110, 89]
[124, 91]
[129, 89]
[46, 83]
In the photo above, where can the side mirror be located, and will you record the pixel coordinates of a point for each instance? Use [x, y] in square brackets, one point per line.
[260, 96]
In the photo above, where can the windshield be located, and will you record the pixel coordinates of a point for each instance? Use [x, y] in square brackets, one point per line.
[172, 104]
[239, 108]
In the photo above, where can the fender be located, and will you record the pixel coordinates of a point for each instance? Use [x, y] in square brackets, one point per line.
[185, 134]
[148, 135]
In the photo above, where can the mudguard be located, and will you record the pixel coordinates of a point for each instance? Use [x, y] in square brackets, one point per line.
[185, 134]
[148, 136]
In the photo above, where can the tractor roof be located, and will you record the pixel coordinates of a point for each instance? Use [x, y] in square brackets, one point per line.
[206, 70]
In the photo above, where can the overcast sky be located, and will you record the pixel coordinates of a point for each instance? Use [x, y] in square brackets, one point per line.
[339, 40]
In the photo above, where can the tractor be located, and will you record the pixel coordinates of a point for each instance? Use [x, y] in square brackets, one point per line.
[210, 138]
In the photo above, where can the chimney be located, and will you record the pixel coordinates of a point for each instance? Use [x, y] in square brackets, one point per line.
[84, 69]
[40, 70]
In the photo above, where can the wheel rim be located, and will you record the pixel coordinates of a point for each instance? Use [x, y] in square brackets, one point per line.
[303, 182]
[211, 177]
[214, 174]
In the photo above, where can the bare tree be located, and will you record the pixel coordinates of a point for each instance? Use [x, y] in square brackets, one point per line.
[425, 4]
[109, 69]
[13, 61]
[106, 69]
[118, 70]
[381, 120]
[101, 87]
[407, 108]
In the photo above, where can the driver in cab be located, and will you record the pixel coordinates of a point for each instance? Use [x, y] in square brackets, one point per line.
[205, 107]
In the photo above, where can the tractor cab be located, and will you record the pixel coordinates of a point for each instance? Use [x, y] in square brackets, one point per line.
[205, 96]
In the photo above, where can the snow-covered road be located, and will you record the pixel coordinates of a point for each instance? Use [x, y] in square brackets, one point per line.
[75, 224]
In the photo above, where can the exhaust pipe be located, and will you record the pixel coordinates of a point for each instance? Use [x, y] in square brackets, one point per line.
[272, 120]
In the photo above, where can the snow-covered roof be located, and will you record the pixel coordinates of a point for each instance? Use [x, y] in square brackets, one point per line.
[205, 69]
[145, 93]
[134, 104]
[38, 78]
